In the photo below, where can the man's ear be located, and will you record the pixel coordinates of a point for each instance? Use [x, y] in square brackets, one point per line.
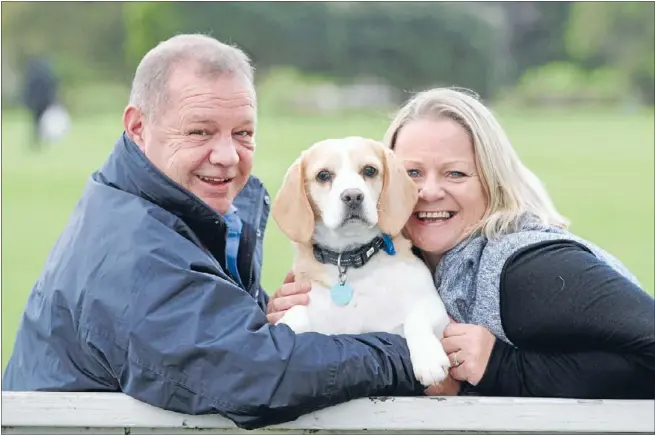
[291, 208]
[133, 120]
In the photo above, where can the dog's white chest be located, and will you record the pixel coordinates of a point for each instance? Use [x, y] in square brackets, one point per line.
[384, 293]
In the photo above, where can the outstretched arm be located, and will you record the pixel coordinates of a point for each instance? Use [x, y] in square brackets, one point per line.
[201, 345]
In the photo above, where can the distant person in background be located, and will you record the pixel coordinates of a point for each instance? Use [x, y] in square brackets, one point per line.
[537, 310]
[153, 288]
[39, 94]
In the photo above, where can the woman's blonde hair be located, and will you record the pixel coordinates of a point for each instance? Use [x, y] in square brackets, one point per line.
[512, 190]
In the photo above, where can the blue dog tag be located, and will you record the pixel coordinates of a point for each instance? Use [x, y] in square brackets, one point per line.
[341, 294]
[388, 244]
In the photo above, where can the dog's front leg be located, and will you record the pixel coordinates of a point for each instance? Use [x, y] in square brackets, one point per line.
[423, 331]
[297, 318]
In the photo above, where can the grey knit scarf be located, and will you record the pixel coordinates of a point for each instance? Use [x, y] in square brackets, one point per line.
[468, 276]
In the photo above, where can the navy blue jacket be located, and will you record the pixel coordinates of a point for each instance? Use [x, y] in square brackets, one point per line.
[135, 297]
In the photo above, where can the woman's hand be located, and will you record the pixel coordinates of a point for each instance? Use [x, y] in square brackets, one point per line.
[469, 348]
[289, 294]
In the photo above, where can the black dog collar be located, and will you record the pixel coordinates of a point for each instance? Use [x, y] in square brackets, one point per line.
[353, 258]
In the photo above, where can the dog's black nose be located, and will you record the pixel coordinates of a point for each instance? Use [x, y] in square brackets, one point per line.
[352, 197]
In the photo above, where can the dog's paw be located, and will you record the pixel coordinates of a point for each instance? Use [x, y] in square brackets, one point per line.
[430, 362]
[296, 318]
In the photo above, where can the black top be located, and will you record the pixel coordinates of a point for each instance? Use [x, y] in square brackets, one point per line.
[579, 328]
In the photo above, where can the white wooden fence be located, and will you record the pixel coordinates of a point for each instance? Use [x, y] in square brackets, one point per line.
[115, 413]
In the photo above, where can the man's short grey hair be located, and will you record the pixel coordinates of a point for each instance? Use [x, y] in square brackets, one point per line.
[212, 57]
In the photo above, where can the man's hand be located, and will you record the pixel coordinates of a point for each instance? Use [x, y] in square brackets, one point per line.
[469, 348]
[289, 294]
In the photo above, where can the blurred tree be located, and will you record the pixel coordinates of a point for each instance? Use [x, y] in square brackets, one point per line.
[420, 46]
[536, 30]
[480, 45]
[271, 33]
[409, 47]
[147, 23]
[621, 34]
[55, 30]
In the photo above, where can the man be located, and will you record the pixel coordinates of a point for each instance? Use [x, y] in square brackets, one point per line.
[153, 288]
[39, 94]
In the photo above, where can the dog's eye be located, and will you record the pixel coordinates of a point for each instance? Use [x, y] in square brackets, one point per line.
[323, 176]
[369, 171]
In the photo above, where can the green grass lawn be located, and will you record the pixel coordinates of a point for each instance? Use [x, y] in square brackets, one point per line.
[597, 166]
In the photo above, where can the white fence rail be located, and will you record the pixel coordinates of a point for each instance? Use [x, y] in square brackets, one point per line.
[115, 413]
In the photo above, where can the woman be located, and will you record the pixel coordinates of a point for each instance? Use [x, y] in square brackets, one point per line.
[537, 311]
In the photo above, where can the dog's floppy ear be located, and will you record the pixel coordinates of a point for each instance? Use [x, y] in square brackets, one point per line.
[398, 197]
[291, 209]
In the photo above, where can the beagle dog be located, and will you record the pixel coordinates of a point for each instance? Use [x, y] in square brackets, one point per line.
[343, 203]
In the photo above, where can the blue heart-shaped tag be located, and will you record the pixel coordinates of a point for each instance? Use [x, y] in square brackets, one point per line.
[341, 294]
